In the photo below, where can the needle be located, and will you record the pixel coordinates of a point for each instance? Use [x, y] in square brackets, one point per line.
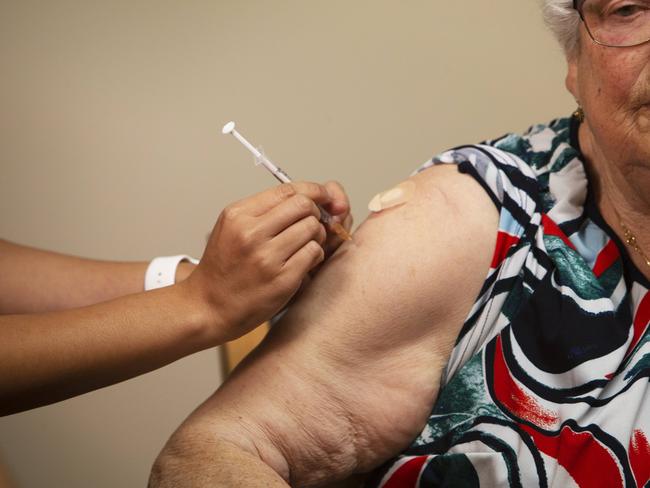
[326, 218]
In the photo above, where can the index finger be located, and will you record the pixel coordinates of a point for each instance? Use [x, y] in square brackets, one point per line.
[340, 204]
[262, 202]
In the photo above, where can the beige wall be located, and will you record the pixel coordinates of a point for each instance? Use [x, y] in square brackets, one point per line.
[110, 147]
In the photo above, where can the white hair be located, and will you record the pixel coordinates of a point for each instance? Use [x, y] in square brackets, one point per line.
[564, 22]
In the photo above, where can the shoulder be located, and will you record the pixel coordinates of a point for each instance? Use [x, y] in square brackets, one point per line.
[418, 256]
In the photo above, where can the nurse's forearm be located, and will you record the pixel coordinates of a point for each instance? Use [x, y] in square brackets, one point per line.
[34, 281]
[49, 357]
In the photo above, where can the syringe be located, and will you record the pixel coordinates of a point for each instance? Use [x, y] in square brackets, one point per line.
[325, 217]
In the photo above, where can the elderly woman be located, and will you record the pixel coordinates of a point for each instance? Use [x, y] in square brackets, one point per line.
[524, 363]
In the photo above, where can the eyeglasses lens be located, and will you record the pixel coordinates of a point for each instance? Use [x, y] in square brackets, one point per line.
[618, 23]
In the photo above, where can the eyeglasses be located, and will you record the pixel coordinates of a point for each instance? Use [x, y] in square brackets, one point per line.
[616, 23]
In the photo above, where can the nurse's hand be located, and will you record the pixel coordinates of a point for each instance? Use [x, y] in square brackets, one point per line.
[339, 208]
[260, 251]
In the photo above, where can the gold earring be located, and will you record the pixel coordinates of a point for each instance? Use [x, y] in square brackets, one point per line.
[579, 114]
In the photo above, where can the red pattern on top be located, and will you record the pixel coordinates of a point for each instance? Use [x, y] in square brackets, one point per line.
[514, 398]
[407, 474]
[587, 461]
[552, 229]
[639, 454]
[607, 256]
[641, 321]
[504, 242]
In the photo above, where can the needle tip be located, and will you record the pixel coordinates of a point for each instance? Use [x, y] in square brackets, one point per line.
[341, 232]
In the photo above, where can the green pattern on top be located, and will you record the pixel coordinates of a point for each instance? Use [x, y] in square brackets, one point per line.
[460, 401]
[572, 270]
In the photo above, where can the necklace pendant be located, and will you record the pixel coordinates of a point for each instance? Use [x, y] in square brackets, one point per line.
[630, 240]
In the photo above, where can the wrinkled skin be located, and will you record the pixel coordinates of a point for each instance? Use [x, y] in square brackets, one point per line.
[613, 86]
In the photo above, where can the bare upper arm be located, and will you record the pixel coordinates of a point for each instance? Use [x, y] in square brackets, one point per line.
[350, 374]
[421, 263]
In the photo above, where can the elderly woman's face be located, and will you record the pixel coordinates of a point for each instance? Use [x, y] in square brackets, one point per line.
[613, 87]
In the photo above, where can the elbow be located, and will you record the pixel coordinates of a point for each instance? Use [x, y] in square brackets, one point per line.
[179, 463]
[159, 475]
[202, 460]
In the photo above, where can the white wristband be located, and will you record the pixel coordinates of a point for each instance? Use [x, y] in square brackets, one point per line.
[162, 271]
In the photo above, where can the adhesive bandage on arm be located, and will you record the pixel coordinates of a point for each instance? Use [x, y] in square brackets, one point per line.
[398, 195]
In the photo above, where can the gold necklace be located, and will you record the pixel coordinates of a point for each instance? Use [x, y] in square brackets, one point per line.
[630, 240]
